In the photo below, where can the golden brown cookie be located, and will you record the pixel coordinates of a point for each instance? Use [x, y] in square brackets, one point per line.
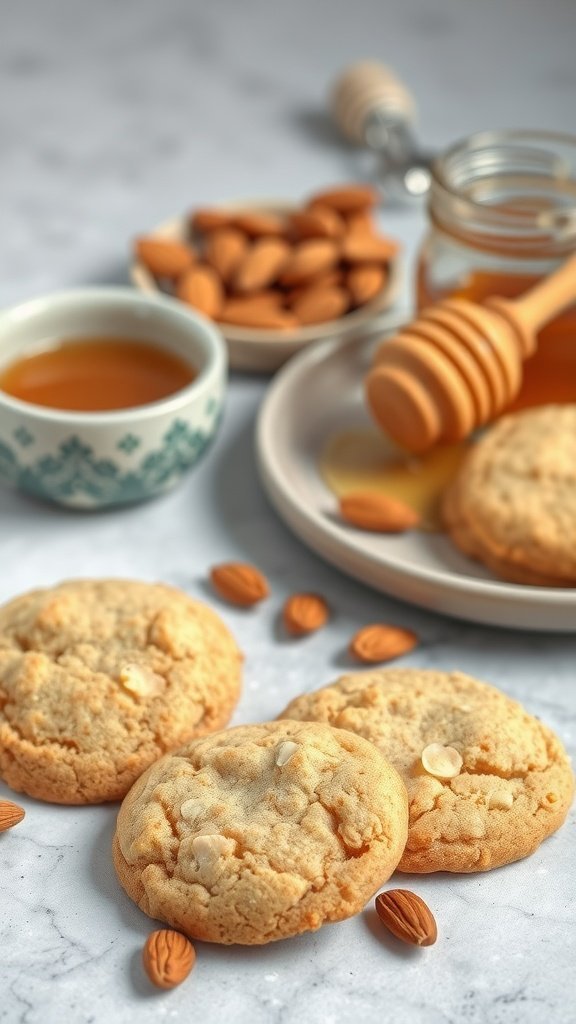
[513, 503]
[503, 786]
[261, 832]
[99, 678]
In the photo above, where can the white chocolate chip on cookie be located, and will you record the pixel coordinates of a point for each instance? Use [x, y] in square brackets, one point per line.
[441, 762]
[285, 751]
[500, 800]
[141, 681]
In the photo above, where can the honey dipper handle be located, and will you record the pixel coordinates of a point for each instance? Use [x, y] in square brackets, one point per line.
[368, 90]
[539, 304]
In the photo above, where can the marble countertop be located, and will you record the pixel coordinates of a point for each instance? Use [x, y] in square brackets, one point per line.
[115, 116]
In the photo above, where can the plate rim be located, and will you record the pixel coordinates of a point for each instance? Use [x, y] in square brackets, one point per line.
[277, 489]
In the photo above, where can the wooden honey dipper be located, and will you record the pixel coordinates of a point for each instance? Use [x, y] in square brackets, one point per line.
[460, 363]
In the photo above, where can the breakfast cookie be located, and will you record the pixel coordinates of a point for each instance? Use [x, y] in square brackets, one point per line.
[99, 678]
[261, 832]
[486, 781]
[513, 503]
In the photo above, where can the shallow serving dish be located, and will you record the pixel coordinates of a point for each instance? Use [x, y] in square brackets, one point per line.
[95, 459]
[262, 351]
[423, 568]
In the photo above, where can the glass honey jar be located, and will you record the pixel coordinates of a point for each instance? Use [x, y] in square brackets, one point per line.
[502, 212]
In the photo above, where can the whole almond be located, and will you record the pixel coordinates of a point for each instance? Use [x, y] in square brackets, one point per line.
[365, 281]
[360, 222]
[260, 225]
[10, 814]
[201, 287]
[380, 642]
[163, 257]
[258, 311]
[346, 198]
[378, 512]
[168, 957]
[364, 248]
[319, 222]
[224, 249]
[328, 279]
[407, 916]
[304, 613]
[206, 220]
[239, 583]
[308, 259]
[319, 304]
[261, 264]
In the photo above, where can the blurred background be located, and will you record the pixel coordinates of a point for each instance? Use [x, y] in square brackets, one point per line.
[119, 114]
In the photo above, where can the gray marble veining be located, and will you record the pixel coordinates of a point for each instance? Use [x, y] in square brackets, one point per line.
[114, 116]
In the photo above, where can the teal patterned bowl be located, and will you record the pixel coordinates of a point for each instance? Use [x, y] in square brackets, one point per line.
[97, 459]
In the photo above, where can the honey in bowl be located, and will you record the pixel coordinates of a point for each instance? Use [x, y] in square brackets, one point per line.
[96, 374]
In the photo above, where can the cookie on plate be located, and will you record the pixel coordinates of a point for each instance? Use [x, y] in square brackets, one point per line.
[486, 781]
[261, 832]
[513, 503]
[99, 678]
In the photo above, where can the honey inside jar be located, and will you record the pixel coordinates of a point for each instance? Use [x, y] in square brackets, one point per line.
[96, 374]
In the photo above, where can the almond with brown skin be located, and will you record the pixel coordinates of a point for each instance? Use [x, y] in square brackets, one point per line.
[168, 958]
[201, 287]
[360, 223]
[206, 220]
[363, 248]
[308, 260]
[224, 249]
[318, 304]
[305, 613]
[163, 257]
[319, 222]
[407, 916]
[378, 512]
[260, 225]
[379, 642]
[365, 281]
[329, 279]
[10, 814]
[261, 264]
[239, 583]
[346, 198]
[259, 310]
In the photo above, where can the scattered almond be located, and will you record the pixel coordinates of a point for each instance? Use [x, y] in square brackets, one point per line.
[239, 583]
[261, 264]
[223, 250]
[407, 916]
[378, 512]
[318, 222]
[10, 814]
[380, 642]
[305, 613]
[168, 957]
[207, 220]
[163, 257]
[441, 762]
[259, 225]
[363, 248]
[365, 281]
[318, 304]
[346, 198]
[201, 287]
[258, 311]
[308, 259]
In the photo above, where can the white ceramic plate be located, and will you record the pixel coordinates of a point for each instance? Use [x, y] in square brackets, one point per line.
[320, 393]
[263, 351]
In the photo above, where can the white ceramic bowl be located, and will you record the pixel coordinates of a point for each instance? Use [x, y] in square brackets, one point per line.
[95, 459]
[261, 350]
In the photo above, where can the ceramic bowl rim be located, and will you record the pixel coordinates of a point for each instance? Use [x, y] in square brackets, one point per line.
[207, 335]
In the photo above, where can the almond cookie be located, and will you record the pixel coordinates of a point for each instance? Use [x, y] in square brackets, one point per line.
[486, 781]
[513, 504]
[99, 678]
[261, 832]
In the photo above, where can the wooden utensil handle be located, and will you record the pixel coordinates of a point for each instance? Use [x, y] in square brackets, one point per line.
[546, 299]
[363, 87]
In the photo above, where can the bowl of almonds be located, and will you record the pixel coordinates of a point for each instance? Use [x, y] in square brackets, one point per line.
[275, 276]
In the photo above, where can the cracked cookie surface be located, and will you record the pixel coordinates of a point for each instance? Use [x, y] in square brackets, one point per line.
[261, 832]
[99, 678]
[515, 785]
[513, 503]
